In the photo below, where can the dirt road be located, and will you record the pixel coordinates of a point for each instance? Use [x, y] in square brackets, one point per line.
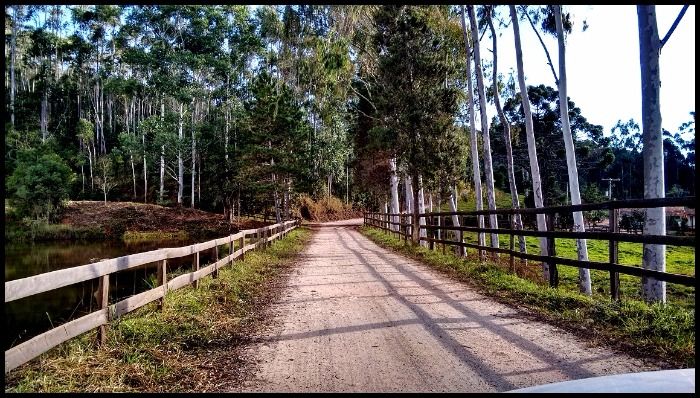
[358, 318]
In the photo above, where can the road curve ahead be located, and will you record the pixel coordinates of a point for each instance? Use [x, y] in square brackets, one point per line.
[357, 318]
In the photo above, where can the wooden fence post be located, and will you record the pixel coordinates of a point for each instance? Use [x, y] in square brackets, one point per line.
[216, 258]
[162, 280]
[551, 250]
[429, 234]
[230, 249]
[613, 256]
[196, 267]
[102, 302]
[241, 246]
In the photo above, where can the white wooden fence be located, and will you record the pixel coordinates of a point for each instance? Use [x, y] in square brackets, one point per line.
[20, 288]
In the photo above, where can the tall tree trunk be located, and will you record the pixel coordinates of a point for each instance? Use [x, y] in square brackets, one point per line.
[180, 163]
[488, 167]
[584, 273]
[421, 209]
[13, 57]
[439, 219]
[145, 169]
[286, 198]
[162, 150]
[415, 210]
[531, 144]
[44, 113]
[133, 171]
[92, 179]
[515, 200]
[409, 193]
[226, 113]
[394, 188]
[654, 257]
[194, 154]
[473, 142]
[162, 173]
[408, 185]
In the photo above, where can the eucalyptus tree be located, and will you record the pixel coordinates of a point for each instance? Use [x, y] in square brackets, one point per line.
[473, 141]
[413, 101]
[488, 165]
[530, 134]
[654, 256]
[581, 248]
[18, 15]
[517, 221]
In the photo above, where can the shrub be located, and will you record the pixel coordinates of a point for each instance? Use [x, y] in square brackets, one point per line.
[39, 184]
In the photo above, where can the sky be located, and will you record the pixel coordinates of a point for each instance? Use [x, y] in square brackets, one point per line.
[602, 63]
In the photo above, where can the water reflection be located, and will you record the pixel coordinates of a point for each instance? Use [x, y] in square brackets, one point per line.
[30, 316]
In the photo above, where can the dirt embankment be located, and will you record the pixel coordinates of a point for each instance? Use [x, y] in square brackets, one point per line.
[116, 218]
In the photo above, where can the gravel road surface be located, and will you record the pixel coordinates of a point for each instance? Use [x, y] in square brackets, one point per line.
[355, 317]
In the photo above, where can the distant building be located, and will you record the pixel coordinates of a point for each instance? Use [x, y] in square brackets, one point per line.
[677, 218]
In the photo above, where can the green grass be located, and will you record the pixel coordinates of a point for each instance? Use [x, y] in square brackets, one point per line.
[666, 332]
[144, 236]
[679, 260]
[467, 201]
[21, 231]
[170, 350]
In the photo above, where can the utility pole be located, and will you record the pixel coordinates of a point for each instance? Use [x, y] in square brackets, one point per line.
[610, 181]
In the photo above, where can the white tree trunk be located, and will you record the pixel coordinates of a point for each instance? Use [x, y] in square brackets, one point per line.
[44, 114]
[92, 179]
[473, 141]
[145, 170]
[409, 193]
[194, 154]
[180, 163]
[421, 210]
[654, 257]
[394, 182]
[584, 273]
[133, 172]
[162, 149]
[488, 167]
[162, 173]
[13, 57]
[515, 200]
[409, 202]
[531, 144]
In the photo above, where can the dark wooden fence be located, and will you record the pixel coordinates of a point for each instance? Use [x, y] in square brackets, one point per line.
[437, 223]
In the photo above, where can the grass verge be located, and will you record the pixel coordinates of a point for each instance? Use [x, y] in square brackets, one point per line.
[147, 236]
[182, 348]
[662, 332]
[36, 231]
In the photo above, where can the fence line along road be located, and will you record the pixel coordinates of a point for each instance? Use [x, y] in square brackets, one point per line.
[25, 287]
[434, 229]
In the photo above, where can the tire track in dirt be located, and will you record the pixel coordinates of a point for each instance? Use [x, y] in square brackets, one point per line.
[355, 317]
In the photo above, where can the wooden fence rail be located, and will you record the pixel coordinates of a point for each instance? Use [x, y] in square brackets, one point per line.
[403, 229]
[20, 288]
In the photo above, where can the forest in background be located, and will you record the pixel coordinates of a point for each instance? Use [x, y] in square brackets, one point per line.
[241, 110]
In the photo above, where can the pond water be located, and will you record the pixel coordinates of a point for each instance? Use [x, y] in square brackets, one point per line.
[30, 316]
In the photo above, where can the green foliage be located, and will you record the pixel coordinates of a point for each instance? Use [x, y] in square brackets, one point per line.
[39, 184]
[415, 99]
